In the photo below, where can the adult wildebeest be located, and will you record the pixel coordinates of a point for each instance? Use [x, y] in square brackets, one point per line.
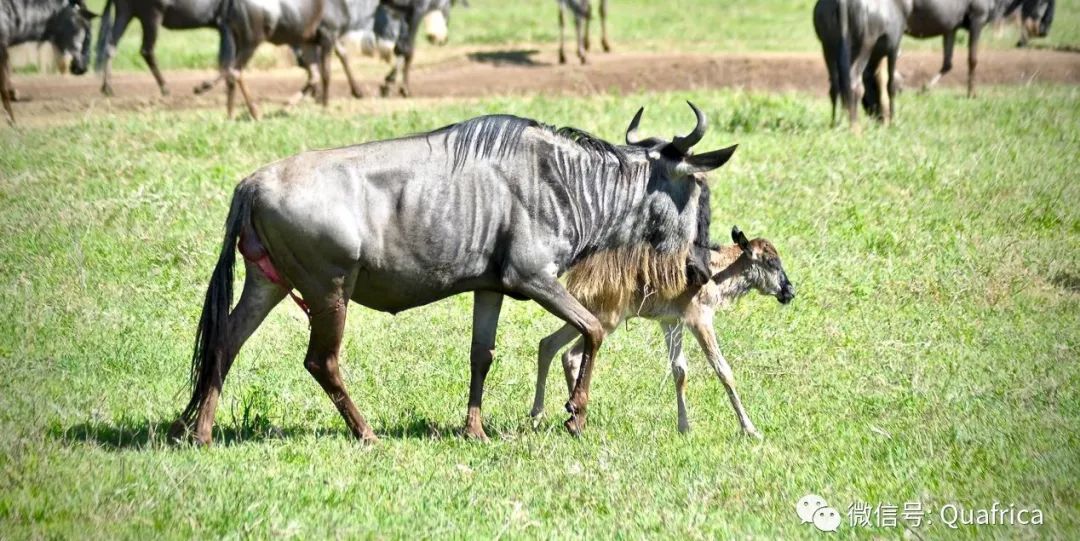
[737, 269]
[582, 11]
[497, 205]
[389, 28]
[1035, 18]
[931, 18]
[64, 23]
[152, 15]
[280, 22]
[855, 36]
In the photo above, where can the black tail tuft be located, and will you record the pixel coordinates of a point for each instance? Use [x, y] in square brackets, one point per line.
[211, 336]
[843, 58]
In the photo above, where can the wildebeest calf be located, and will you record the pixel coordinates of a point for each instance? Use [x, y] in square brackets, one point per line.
[619, 288]
[64, 23]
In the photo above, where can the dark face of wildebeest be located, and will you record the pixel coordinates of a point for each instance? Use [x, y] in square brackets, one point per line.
[767, 272]
[70, 32]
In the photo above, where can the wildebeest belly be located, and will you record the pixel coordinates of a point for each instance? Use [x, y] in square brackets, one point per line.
[931, 18]
[394, 292]
[187, 14]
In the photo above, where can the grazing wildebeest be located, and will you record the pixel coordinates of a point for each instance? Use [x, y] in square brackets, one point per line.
[1035, 18]
[390, 27]
[855, 36]
[64, 23]
[931, 18]
[497, 205]
[280, 22]
[582, 11]
[736, 270]
[152, 15]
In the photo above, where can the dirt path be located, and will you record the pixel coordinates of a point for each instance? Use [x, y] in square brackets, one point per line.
[509, 72]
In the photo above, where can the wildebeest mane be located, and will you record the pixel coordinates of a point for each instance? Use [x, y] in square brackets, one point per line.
[608, 280]
[499, 136]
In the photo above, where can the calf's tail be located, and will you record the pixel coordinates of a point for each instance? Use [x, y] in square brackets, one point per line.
[211, 336]
[104, 35]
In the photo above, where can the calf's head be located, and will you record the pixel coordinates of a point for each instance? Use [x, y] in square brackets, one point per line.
[69, 31]
[764, 271]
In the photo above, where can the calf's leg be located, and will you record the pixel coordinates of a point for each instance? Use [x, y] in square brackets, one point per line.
[702, 328]
[545, 352]
[673, 337]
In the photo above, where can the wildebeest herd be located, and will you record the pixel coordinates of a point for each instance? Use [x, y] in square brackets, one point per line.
[496, 205]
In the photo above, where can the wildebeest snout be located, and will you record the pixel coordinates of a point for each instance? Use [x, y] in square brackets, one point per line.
[787, 291]
[435, 28]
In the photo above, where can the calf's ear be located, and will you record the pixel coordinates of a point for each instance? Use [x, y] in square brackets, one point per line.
[702, 163]
[739, 238]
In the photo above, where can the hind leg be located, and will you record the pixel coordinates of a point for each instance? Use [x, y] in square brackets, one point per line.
[327, 328]
[603, 27]
[562, 33]
[260, 295]
[150, 30]
[5, 95]
[486, 308]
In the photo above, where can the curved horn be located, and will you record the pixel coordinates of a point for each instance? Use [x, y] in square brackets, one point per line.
[631, 132]
[685, 143]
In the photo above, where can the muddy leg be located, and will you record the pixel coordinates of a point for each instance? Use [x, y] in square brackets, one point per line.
[5, 91]
[327, 327]
[486, 307]
[948, 41]
[339, 50]
[603, 27]
[150, 30]
[562, 33]
[706, 336]
[973, 57]
[548, 348]
[258, 298]
[581, 33]
[673, 335]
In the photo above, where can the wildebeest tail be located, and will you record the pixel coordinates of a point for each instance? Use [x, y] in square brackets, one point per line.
[843, 57]
[104, 29]
[211, 336]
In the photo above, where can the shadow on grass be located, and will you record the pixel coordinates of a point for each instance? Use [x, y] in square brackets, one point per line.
[515, 57]
[154, 434]
[1067, 281]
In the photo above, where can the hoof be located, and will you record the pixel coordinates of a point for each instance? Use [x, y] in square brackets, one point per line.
[475, 434]
[562, 57]
[384, 91]
[178, 432]
[107, 91]
[165, 91]
[358, 94]
[754, 435]
[369, 439]
[404, 92]
[606, 45]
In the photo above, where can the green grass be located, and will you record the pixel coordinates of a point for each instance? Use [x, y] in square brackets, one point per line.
[931, 354]
[636, 25]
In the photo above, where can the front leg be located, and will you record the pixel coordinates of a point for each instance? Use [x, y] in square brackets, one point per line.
[973, 56]
[5, 90]
[673, 338]
[549, 293]
[948, 41]
[701, 325]
[545, 352]
[342, 55]
[486, 308]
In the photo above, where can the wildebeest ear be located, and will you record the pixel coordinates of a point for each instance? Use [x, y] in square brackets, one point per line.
[739, 238]
[701, 163]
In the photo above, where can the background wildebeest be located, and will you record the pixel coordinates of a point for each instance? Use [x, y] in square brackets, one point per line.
[64, 23]
[412, 13]
[280, 22]
[152, 15]
[582, 11]
[737, 269]
[497, 205]
[1036, 16]
[931, 18]
[389, 27]
[855, 36]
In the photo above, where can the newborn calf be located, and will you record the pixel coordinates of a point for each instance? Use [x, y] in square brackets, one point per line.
[736, 270]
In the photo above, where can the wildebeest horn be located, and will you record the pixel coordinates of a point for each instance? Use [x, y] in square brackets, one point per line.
[631, 132]
[684, 144]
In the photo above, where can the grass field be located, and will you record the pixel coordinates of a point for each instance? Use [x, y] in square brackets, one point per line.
[930, 356]
[711, 26]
